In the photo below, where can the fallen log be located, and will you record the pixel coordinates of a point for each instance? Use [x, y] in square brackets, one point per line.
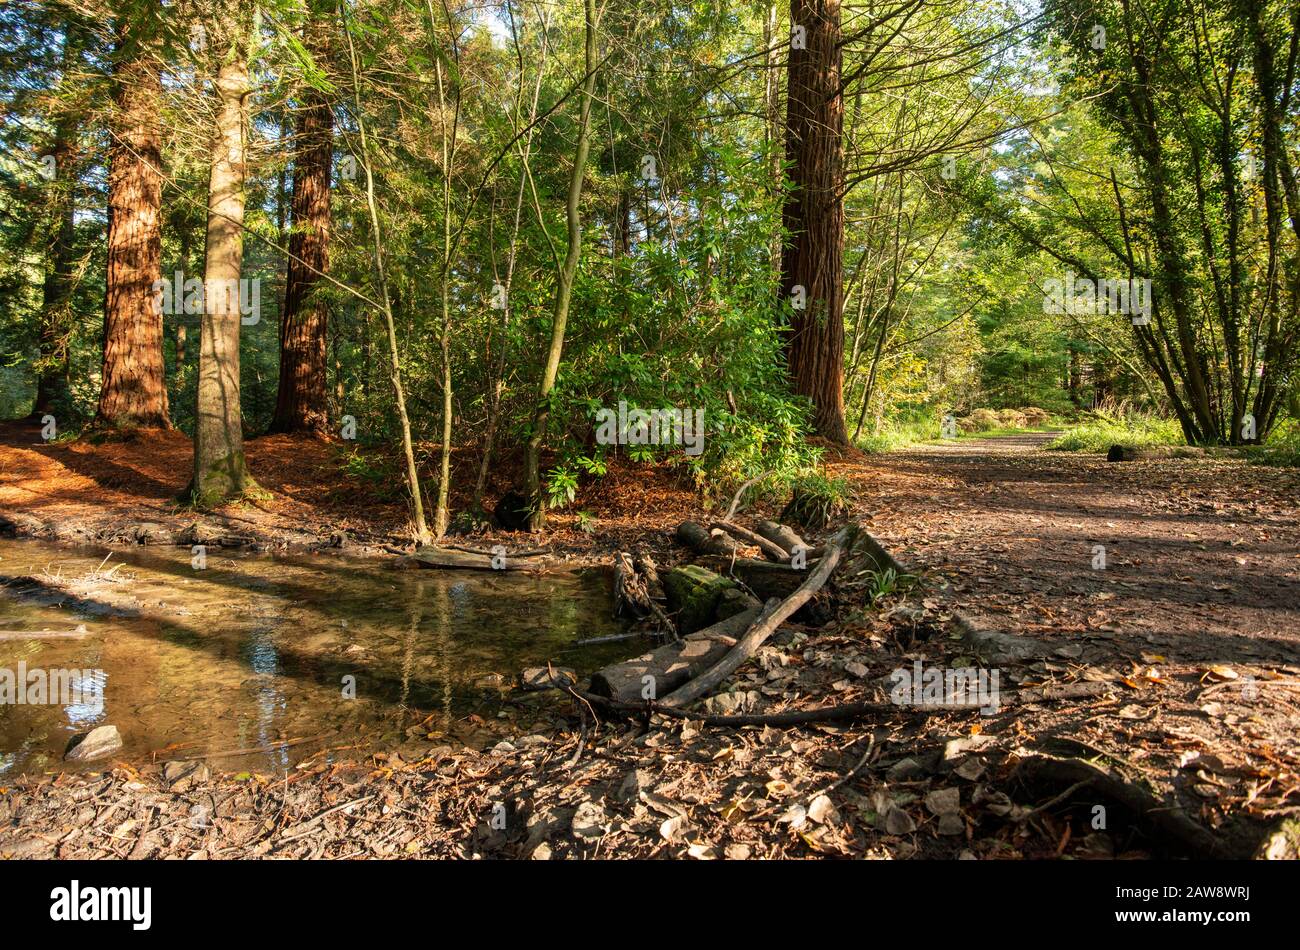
[670, 665]
[446, 559]
[696, 537]
[771, 550]
[773, 615]
[841, 712]
[780, 535]
[1164, 819]
[636, 589]
[764, 578]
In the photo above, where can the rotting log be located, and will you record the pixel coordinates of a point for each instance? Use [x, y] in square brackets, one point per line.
[700, 540]
[764, 578]
[771, 550]
[773, 615]
[785, 538]
[672, 664]
[693, 594]
[631, 595]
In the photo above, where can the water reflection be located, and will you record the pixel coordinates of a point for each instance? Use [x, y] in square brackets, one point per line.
[253, 651]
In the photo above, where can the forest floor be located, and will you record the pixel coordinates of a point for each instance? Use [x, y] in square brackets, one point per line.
[1151, 706]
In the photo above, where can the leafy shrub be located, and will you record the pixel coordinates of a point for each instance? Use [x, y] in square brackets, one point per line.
[981, 420]
[816, 501]
[1135, 430]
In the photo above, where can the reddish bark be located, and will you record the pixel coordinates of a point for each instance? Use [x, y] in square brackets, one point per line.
[300, 402]
[133, 393]
[814, 214]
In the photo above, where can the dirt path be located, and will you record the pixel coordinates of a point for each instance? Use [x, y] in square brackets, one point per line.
[1201, 556]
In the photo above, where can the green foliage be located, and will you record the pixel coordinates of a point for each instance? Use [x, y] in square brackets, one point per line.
[817, 501]
[1132, 430]
[887, 582]
[1282, 447]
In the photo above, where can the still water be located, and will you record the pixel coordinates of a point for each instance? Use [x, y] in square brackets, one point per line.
[242, 659]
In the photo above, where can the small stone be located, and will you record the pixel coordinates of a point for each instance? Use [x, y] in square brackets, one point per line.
[737, 852]
[96, 744]
[541, 677]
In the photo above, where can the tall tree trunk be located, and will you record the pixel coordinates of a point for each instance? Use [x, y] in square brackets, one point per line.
[564, 287]
[220, 469]
[442, 510]
[814, 214]
[772, 121]
[300, 404]
[133, 393]
[56, 313]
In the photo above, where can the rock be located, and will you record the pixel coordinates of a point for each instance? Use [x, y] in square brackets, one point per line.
[540, 677]
[96, 744]
[737, 852]
[181, 775]
[693, 594]
[589, 820]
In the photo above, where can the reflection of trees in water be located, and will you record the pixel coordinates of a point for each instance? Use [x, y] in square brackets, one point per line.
[442, 645]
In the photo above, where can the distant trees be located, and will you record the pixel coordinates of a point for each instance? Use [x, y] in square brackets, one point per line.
[301, 397]
[1199, 99]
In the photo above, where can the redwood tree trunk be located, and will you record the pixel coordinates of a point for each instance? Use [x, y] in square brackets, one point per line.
[814, 214]
[133, 393]
[300, 404]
